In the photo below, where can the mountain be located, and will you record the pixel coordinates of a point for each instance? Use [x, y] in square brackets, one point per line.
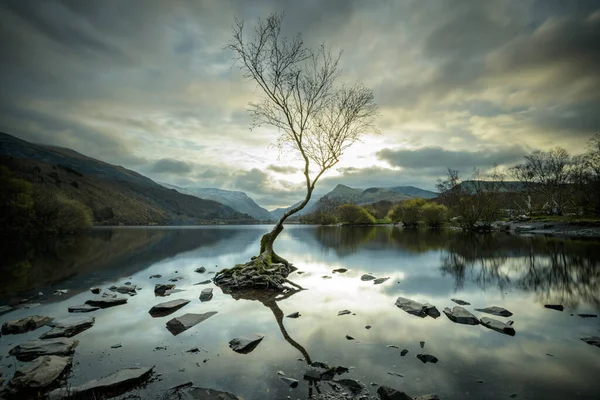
[115, 194]
[415, 192]
[239, 201]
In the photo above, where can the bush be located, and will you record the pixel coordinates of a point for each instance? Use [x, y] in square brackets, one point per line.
[56, 213]
[408, 213]
[355, 215]
[434, 214]
[16, 202]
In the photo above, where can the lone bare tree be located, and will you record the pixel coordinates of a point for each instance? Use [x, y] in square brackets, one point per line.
[318, 119]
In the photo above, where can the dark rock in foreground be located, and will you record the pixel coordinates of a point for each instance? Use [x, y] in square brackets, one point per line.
[293, 315]
[425, 358]
[557, 307]
[112, 385]
[186, 321]
[418, 309]
[33, 349]
[460, 315]
[587, 315]
[107, 302]
[95, 290]
[461, 302]
[69, 327]
[379, 281]
[168, 307]
[245, 344]
[593, 340]
[428, 397]
[339, 270]
[82, 308]
[24, 324]
[344, 312]
[38, 375]
[206, 294]
[160, 289]
[498, 326]
[388, 393]
[404, 352]
[367, 277]
[494, 310]
[194, 393]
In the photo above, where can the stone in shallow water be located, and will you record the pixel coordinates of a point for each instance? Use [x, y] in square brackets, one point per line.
[404, 352]
[425, 358]
[95, 290]
[69, 327]
[195, 393]
[200, 270]
[113, 384]
[293, 383]
[161, 288]
[33, 349]
[388, 393]
[82, 308]
[344, 312]
[461, 302]
[498, 326]
[367, 277]
[24, 324]
[39, 374]
[428, 397]
[186, 321]
[494, 310]
[339, 270]
[593, 340]
[379, 281]
[168, 307]
[107, 302]
[5, 309]
[461, 316]
[293, 315]
[206, 294]
[245, 344]
[587, 315]
[206, 282]
[416, 308]
[557, 307]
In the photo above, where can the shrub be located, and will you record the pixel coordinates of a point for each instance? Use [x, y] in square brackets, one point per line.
[408, 213]
[434, 214]
[355, 215]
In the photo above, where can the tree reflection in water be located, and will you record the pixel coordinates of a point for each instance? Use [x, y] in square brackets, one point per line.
[557, 270]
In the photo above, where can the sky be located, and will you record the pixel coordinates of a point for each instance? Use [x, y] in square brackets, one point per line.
[148, 85]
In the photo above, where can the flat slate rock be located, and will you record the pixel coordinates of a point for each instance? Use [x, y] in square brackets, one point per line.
[245, 344]
[557, 307]
[33, 349]
[113, 384]
[186, 321]
[494, 310]
[39, 374]
[206, 282]
[415, 308]
[206, 294]
[107, 302]
[168, 307]
[344, 312]
[200, 270]
[593, 340]
[428, 397]
[379, 281]
[367, 277]
[498, 326]
[388, 393]
[461, 302]
[186, 392]
[293, 315]
[161, 289]
[23, 325]
[5, 309]
[460, 315]
[425, 358]
[293, 383]
[339, 270]
[95, 290]
[69, 327]
[83, 308]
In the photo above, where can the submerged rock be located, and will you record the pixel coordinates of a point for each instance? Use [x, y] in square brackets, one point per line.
[39, 374]
[494, 310]
[425, 358]
[293, 383]
[418, 309]
[33, 349]
[161, 288]
[353, 385]
[155, 276]
[166, 308]
[107, 302]
[82, 308]
[24, 324]
[245, 344]
[587, 315]
[557, 307]
[367, 277]
[113, 384]
[206, 294]
[379, 281]
[339, 270]
[69, 327]
[461, 302]
[206, 282]
[293, 315]
[185, 392]
[460, 315]
[125, 289]
[200, 270]
[388, 393]
[5, 309]
[404, 352]
[428, 397]
[498, 326]
[593, 340]
[186, 321]
[344, 312]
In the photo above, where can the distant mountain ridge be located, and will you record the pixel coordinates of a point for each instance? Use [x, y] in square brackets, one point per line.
[237, 200]
[115, 194]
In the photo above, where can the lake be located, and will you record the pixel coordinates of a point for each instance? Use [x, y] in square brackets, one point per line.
[544, 360]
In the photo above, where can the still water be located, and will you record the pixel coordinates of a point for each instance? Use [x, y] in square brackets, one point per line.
[544, 360]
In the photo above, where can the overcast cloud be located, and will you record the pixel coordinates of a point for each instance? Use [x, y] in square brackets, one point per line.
[147, 85]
